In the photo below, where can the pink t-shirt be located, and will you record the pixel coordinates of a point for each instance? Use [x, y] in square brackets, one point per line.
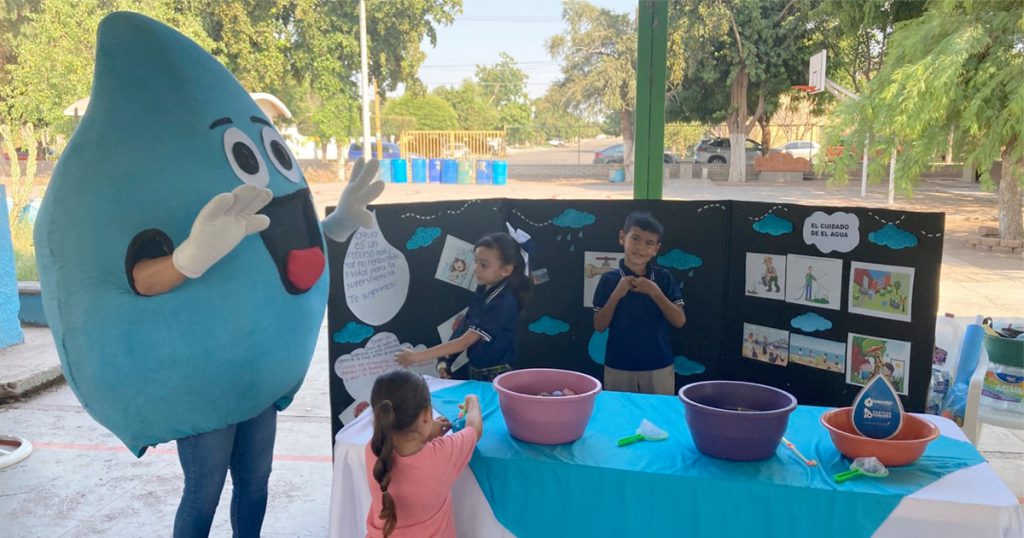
[421, 485]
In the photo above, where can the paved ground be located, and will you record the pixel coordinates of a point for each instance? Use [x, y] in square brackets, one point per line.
[81, 482]
[580, 153]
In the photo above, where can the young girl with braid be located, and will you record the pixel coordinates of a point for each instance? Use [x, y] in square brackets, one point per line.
[410, 464]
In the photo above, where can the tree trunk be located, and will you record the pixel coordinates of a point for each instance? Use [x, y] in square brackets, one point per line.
[766, 134]
[323, 151]
[627, 143]
[342, 155]
[1011, 224]
[737, 127]
[949, 146]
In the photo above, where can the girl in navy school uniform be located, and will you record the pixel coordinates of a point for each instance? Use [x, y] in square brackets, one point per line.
[488, 331]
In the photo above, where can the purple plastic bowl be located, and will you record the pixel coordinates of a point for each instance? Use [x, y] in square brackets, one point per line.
[542, 419]
[733, 420]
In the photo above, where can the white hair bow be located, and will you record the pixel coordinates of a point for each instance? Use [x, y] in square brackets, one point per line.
[525, 246]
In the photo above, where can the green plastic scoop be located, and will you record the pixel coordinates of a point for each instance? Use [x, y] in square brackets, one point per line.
[863, 467]
[646, 432]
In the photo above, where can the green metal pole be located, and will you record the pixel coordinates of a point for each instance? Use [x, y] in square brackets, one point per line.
[649, 144]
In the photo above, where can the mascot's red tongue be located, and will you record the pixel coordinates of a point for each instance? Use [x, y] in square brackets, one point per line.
[305, 266]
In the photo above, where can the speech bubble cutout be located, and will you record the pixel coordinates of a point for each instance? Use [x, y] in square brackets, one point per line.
[839, 231]
[376, 276]
[360, 368]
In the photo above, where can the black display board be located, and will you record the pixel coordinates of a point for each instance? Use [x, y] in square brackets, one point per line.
[706, 247]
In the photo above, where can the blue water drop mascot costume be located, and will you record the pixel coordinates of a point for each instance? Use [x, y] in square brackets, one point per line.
[182, 264]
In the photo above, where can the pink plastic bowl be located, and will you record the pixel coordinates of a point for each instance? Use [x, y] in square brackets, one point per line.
[546, 420]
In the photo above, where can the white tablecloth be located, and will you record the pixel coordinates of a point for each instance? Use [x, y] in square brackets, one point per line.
[969, 503]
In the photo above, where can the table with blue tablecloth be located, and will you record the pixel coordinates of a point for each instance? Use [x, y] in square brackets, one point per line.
[667, 488]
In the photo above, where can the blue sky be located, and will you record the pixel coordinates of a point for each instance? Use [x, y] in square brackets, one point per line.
[487, 27]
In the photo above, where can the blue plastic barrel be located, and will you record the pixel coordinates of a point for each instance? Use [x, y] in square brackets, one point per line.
[449, 171]
[434, 170]
[384, 172]
[617, 175]
[399, 172]
[500, 172]
[419, 170]
[484, 172]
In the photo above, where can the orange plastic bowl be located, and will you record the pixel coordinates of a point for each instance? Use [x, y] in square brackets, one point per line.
[902, 449]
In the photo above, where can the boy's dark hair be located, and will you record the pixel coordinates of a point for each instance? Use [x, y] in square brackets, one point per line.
[398, 398]
[645, 221]
[510, 253]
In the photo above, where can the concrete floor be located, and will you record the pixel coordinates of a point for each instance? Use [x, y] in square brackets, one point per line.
[80, 481]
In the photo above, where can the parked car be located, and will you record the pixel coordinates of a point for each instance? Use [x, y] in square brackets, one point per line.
[800, 148]
[672, 158]
[23, 154]
[613, 155]
[716, 150]
[609, 155]
[557, 142]
[391, 151]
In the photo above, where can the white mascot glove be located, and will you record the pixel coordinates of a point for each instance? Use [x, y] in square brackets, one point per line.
[351, 212]
[220, 226]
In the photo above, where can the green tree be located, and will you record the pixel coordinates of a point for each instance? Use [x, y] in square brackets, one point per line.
[611, 123]
[735, 58]
[324, 116]
[56, 51]
[681, 137]
[517, 119]
[856, 35]
[598, 54]
[553, 119]
[431, 112]
[14, 16]
[397, 125]
[503, 83]
[504, 87]
[249, 38]
[957, 64]
[469, 101]
[285, 47]
[395, 30]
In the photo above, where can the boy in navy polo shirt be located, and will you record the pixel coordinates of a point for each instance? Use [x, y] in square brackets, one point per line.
[636, 303]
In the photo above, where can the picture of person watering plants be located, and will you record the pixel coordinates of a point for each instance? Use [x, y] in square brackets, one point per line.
[814, 281]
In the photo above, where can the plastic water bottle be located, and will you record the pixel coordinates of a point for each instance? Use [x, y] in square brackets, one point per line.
[954, 404]
[937, 390]
[948, 334]
[1003, 388]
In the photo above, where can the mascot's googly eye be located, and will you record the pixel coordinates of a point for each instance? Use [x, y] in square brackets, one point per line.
[280, 155]
[245, 159]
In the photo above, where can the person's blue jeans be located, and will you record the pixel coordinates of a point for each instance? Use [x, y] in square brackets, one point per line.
[247, 448]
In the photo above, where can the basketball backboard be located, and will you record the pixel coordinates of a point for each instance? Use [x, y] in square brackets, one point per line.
[816, 72]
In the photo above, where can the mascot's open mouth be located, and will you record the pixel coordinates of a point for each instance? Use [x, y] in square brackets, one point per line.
[293, 241]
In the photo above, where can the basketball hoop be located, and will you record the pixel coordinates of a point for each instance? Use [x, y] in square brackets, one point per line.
[808, 89]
